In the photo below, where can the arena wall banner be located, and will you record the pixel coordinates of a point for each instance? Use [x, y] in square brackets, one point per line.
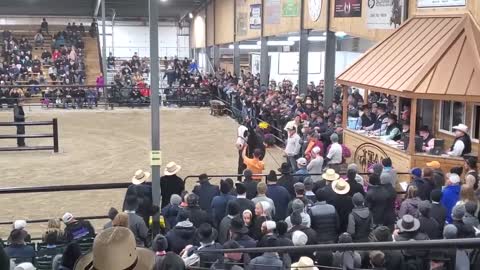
[272, 14]
[440, 3]
[256, 16]
[348, 8]
[242, 23]
[290, 8]
[384, 14]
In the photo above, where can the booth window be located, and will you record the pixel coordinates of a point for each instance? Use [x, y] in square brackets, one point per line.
[452, 113]
[476, 122]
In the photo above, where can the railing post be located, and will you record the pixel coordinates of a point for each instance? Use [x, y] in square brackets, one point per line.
[55, 135]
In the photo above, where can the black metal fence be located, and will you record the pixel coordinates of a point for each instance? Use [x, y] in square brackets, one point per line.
[53, 135]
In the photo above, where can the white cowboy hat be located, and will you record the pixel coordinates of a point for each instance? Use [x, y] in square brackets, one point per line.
[172, 168]
[115, 248]
[305, 263]
[461, 127]
[140, 177]
[340, 186]
[330, 175]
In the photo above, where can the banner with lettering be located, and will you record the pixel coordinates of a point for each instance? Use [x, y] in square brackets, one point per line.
[440, 3]
[272, 14]
[384, 14]
[256, 16]
[348, 8]
[290, 8]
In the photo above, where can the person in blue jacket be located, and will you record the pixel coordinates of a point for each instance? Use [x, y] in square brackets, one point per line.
[450, 194]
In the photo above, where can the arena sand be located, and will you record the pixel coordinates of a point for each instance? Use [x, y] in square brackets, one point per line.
[98, 146]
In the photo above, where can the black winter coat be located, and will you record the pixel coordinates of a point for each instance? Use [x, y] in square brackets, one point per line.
[206, 192]
[380, 199]
[170, 184]
[179, 237]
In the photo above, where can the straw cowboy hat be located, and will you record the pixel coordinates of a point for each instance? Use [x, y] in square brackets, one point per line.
[341, 186]
[305, 263]
[330, 175]
[172, 168]
[461, 127]
[115, 248]
[140, 177]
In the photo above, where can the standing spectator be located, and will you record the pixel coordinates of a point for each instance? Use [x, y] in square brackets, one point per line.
[233, 209]
[302, 170]
[346, 259]
[111, 61]
[170, 212]
[359, 220]
[471, 177]
[93, 28]
[100, 82]
[206, 192]
[309, 195]
[438, 211]
[299, 207]
[170, 183]
[19, 116]
[470, 218]
[286, 180]
[196, 215]
[241, 199]
[380, 199]
[206, 236]
[279, 195]
[451, 194]
[254, 164]
[315, 166]
[220, 202]
[464, 231]
[159, 246]
[293, 147]
[135, 222]
[342, 202]
[335, 153]
[387, 168]
[408, 230]
[324, 218]
[268, 260]
[355, 187]
[250, 184]
[261, 215]
[261, 191]
[239, 232]
[410, 204]
[393, 258]
[182, 234]
[428, 225]
[76, 229]
[44, 25]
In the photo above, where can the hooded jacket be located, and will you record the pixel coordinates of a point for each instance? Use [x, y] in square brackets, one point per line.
[449, 199]
[180, 236]
[410, 207]
[360, 224]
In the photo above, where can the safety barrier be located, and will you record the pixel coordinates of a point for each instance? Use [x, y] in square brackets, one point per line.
[54, 135]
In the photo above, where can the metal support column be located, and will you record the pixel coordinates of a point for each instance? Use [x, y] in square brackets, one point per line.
[264, 63]
[329, 69]
[216, 57]
[236, 58]
[155, 100]
[303, 62]
[104, 55]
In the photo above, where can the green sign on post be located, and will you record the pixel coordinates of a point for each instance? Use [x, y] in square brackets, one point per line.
[290, 8]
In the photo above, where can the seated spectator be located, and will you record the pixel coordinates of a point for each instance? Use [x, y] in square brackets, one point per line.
[359, 220]
[76, 229]
[17, 249]
[182, 234]
[22, 225]
[170, 211]
[112, 244]
[159, 246]
[51, 249]
[38, 38]
[25, 266]
[53, 228]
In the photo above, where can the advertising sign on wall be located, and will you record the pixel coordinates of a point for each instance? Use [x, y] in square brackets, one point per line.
[290, 8]
[242, 23]
[348, 8]
[440, 3]
[256, 16]
[314, 9]
[255, 63]
[273, 15]
[384, 14]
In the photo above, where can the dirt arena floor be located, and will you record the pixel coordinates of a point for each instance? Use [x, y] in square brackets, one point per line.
[100, 146]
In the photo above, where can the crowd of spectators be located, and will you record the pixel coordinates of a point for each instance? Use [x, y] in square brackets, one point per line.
[282, 211]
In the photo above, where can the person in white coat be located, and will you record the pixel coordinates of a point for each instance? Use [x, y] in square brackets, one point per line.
[316, 165]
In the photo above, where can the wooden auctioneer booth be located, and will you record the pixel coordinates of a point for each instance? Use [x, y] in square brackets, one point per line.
[432, 63]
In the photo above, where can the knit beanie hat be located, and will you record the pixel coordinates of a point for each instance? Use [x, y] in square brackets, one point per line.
[358, 199]
[297, 205]
[458, 212]
[450, 231]
[299, 238]
[436, 195]
[424, 208]
[386, 178]
[160, 243]
[416, 172]
[471, 207]
[175, 200]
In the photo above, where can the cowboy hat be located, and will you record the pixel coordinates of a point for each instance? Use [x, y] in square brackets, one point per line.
[140, 177]
[115, 248]
[172, 168]
[340, 186]
[305, 263]
[285, 168]
[461, 127]
[408, 224]
[330, 175]
[206, 233]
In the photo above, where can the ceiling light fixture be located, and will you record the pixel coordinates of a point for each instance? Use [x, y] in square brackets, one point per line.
[340, 34]
[312, 38]
[245, 47]
[190, 15]
[277, 43]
